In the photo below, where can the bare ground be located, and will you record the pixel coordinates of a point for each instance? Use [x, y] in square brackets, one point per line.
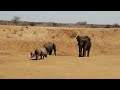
[15, 61]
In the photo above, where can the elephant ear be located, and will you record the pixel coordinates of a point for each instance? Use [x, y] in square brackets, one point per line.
[78, 43]
[77, 38]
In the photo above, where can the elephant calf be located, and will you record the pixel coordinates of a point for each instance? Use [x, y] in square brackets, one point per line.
[39, 52]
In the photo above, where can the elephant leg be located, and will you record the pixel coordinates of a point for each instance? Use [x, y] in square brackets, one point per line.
[80, 51]
[85, 49]
[40, 57]
[54, 47]
[84, 52]
[50, 53]
[88, 52]
[47, 51]
[55, 52]
[36, 57]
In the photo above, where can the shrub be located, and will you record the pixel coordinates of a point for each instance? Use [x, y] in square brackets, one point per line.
[15, 31]
[24, 24]
[32, 24]
[74, 34]
[15, 19]
[107, 26]
[82, 23]
[55, 24]
[8, 37]
[34, 32]
[20, 34]
[115, 25]
[53, 37]
[21, 29]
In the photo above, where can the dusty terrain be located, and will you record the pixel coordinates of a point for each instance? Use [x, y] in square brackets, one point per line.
[16, 42]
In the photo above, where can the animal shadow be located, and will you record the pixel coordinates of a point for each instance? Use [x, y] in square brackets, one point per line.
[35, 59]
[32, 59]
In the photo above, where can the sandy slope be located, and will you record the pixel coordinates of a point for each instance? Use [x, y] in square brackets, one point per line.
[17, 41]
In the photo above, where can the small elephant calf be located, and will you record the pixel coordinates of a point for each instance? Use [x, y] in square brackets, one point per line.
[39, 52]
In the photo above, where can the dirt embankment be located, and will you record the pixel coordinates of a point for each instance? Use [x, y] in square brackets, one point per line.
[17, 41]
[25, 39]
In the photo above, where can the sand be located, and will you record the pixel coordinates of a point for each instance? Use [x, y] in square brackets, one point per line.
[16, 43]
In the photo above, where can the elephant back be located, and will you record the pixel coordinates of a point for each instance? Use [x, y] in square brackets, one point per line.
[43, 50]
[37, 51]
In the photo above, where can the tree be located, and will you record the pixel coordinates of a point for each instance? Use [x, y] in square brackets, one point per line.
[115, 25]
[32, 24]
[82, 23]
[107, 26]
[16, 19]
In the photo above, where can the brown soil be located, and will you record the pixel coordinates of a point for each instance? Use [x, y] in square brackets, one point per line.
[17, 42]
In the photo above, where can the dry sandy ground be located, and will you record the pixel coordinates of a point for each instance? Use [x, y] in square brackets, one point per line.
[60, 67]
[15, 61]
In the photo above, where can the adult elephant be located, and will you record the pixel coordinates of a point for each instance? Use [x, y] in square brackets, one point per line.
[84, 44]
[50, 47]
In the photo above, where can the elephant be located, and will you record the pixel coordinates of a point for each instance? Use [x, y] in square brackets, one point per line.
[39, 52]
[84, 43]
[49, 47]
